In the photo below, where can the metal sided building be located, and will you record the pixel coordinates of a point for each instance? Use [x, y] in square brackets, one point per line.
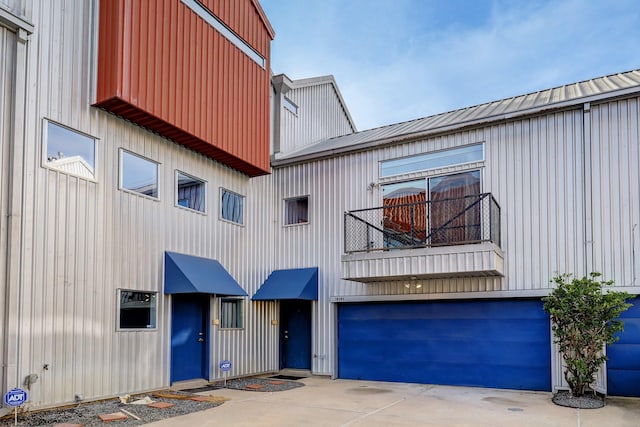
[131, 133]
[436, 238]
[168, 205]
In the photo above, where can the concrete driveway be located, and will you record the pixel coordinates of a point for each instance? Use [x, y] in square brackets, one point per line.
[326, 402]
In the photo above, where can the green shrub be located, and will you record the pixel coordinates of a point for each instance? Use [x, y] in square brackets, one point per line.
[584, 320]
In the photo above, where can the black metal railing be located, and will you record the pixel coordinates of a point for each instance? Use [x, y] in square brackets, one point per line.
[459, 221]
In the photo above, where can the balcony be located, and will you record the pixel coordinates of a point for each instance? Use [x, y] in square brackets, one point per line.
[454, 237]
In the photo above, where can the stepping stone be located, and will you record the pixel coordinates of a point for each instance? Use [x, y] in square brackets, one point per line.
[254, 387]
[200, 399]
[161, 405]
[116, 416]
[276, 382]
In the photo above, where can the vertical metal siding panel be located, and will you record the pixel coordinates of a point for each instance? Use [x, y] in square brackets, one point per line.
[320, 116]
[7, 88]
[615, 181]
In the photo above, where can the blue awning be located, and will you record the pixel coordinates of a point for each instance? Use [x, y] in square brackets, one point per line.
[187, 274]
[298, 283]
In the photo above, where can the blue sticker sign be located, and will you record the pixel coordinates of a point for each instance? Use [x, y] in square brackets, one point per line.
[225, 365]
[15, 397]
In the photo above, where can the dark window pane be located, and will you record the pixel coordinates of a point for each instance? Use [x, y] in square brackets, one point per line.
[137, 310]
[296, 211]
[230, 313]
[191, 192]
[232, 207]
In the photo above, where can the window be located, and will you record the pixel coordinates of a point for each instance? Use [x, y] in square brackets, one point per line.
[222, 28]
[290, 105]
[137, 310]
[230, 313]
[190, 192]
[296, 211]
[439, 210]
[231, 206]
[70, 151]
[435, 160]
[138, 174]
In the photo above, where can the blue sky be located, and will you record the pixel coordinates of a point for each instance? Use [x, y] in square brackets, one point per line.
[397, 60]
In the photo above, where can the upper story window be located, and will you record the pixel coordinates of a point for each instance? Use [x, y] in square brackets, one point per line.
[70, 151]
[296, 211]
[290, 105]
[231, 206]
[190, 192]
[138, 174]
[434, 160]
[137, 310]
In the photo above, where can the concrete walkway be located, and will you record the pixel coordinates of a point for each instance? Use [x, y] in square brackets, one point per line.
[326, 402]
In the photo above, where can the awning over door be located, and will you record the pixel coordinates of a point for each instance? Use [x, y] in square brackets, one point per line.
[187, 274]
[298, 283]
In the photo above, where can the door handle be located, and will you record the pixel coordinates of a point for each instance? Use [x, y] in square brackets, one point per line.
[200, 339]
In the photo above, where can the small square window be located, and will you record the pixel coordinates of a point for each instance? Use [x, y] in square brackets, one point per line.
[70, 151]
[138, 174]
[231, 206]
[190, 192]
[231, 313]
[296, 211]
[137, 310]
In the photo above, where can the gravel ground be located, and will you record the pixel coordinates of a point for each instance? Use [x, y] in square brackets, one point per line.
[588, 401]
[87, 413]
[267, 384]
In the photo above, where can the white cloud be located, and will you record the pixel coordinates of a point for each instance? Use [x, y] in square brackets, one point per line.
[397, 61]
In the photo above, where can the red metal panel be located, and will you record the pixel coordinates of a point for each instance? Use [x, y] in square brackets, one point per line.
[163, 67]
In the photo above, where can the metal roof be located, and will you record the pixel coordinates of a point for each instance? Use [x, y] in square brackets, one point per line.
[613, 85]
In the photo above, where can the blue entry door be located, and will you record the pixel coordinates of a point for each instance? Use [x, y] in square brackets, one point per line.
[189, 337]
[295, 334]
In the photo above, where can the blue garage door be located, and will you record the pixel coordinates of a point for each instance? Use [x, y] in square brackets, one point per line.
[623, 367]
[496, 343]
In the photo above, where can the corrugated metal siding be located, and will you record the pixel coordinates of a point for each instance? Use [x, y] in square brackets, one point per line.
[320, 116]
[14, 6]
[163, 67]
[562, 96]
[615, 180]
[533, 168]
[245, 20]
[7, 88]
[84, 239]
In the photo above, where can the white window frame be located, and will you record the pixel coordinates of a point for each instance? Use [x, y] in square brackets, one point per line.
[239, 316]
[290, 105]
[422, 171]
[244, 207]
[118, 313]
[121, 173]
[177, 189]
[291, 199]
[45, 145]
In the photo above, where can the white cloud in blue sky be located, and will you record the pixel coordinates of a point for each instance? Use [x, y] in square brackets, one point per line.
[397, 60]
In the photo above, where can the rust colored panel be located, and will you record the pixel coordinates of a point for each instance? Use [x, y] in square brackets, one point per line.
[163, 67]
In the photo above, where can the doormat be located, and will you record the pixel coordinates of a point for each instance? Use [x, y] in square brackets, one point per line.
[287, 377]
[205, 388]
